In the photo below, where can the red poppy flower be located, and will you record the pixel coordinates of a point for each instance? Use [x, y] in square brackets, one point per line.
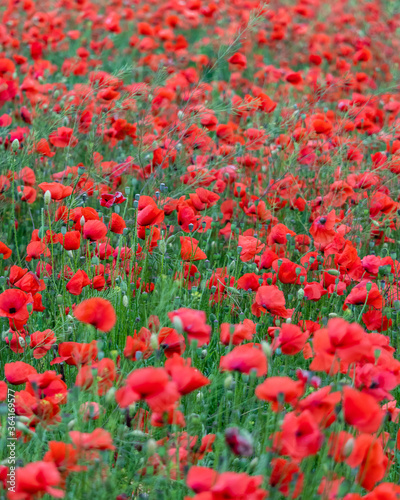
[370, 459]
[117, 224]
[193, 323]
[5, 251]
[149, 214]
[37, 479]
[236, 334]
[190, 249]
[97, 312]
[322, 228]
[186, 377]
[57, 190]
[108, 200]
[63, 137]
[361, 410]
[270, 299]
[13, 305]
[94, 230]
[301, 435]
[18, 372]
[76, 353]
[71, 240]
[291, 339]
[99, 439]
[245, 358]
[42, 147]
[280, 390]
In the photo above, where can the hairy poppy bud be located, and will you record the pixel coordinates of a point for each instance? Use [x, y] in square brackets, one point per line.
[151, 446]
[266, 348]
[228, 381]
[110, 395]
[125, 301]
[348, 447]
[162, 246]
[154, 341]
[178, 325]
[47, 197]
[15, 145]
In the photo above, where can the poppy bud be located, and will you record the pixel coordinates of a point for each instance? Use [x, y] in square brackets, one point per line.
[178, 325]
[333, 272]
[228, 381]
[300, 294]
[82, 221]
[81, 170]
[29, 307]
[23, 428]
[23, 419]
[154, 341]
[347, 314]
[125, 301]
[368, 286]
[266, 348]
[110, 395]
[15, 145]
[71, 423]
[47, 197]
[151, 446]
[162, 246]
[348, 447]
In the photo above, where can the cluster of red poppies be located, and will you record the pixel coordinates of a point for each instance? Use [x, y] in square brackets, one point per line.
[199, 281]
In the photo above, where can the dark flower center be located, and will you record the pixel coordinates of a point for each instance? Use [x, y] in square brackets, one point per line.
[12, 310]
[322, 221]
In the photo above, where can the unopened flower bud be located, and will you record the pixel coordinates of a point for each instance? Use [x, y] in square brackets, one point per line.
[162, 246]
[110, 395]
[266, 348]
[154, 341]
[151, 446]
[348, 447]
[125, 301]
[15, 145]
[228, 382]
[178, 325]
[47, 197]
